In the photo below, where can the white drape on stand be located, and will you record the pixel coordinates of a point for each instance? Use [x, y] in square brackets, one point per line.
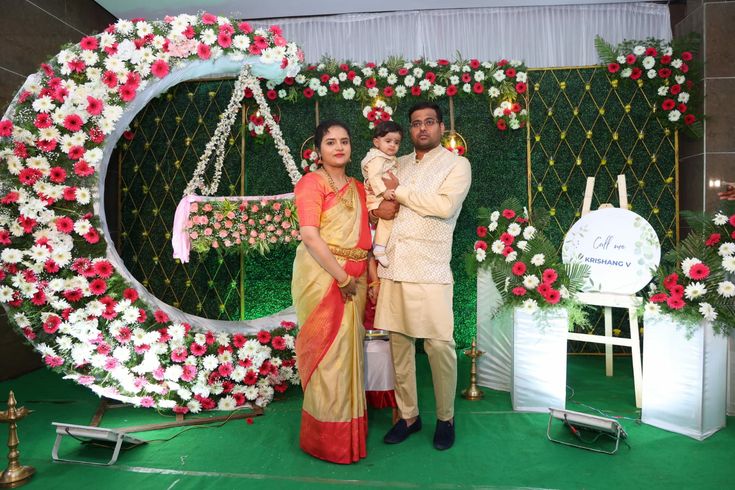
[544, 36]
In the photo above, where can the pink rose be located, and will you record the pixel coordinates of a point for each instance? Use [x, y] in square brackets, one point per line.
[223, 233]
[251, 241]
[207, 231]
[207, 207]
[215, 244]
[231, 215]
[193, 235]
[277, 206]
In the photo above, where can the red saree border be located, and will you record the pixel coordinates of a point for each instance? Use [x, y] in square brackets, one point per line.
[338, 442]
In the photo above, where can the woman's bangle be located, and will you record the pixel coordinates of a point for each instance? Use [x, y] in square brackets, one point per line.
[374, 283]
[345, 282]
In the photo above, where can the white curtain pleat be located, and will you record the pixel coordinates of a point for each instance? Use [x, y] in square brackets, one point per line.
[544, 36]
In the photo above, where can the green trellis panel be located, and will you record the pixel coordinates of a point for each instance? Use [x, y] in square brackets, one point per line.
[171, 132]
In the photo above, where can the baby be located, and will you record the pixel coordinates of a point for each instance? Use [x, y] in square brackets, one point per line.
[379, 160]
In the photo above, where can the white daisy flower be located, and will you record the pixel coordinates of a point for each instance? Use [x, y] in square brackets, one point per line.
[726, 249]
[529, 232]
[687, 264]
[708, 312]
[530, 306]
[497, 247]
[729, 263]
[538, 260]
[530, 281]
[480, 254]
[514, 229]
[719, 219]
[726, 289]
[695, 290]
[652, 308]
[511, 256]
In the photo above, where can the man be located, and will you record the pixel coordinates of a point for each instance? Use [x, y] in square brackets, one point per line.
[415, 299]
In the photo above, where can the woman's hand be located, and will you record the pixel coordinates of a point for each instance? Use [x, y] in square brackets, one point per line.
[373, 292]
[349, 290]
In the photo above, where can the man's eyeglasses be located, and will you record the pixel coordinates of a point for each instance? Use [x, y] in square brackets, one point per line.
[428, 123]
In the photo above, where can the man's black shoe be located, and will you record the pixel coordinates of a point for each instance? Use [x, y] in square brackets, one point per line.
[401, 431]
[444, 435]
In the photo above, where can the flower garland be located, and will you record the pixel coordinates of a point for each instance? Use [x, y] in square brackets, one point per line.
[62, 293]
[664, 66]
[230, 225]
[696, 285]
[504, 83]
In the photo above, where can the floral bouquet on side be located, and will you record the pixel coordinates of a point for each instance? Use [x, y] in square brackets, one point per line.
[694, 284]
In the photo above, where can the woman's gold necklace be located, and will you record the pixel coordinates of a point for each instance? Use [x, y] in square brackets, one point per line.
[346, 200]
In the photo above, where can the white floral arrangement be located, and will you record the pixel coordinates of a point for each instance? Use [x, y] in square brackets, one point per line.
[60, 290]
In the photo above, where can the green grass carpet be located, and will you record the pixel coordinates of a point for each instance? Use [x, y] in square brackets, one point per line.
[495, 448]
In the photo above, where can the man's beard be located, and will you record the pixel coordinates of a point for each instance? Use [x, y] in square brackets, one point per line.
[425, 146]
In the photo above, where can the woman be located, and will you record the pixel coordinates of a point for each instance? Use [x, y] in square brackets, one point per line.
[329, 292]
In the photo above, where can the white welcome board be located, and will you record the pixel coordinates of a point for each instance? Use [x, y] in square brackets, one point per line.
[620, 247]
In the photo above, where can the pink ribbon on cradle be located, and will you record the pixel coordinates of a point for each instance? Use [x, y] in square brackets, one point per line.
[180, 236]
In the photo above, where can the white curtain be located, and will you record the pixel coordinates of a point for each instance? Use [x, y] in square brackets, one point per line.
[544, 36]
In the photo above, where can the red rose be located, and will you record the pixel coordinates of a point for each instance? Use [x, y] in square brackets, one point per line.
[689, 119]
[474, 64]
[675, 302]
[699, 271]
[264, 337]
[651, 51]
[686, 56]
[665, 59]
[671, 280]
[466, 77]
[668, 104]
[613, 67]
[521, 87]
[507, 250]
[160, 316]
[271, 94]
[501, 124]
[636, 73]
[664, 73]
[630, 59]
[388, 91]
[334, 87]
[130, 294]
[442, 62]
[478, 88]
[543, 289]
[507, 238]
[519, 290]
[508, 214]
[549, 276]
[479, 244]
[415, 91]
[451, 90]
[553, 296]
[370, 82]
[519, 268]
[510, 72]
[675, 89]
[482, 231]
[308, 93]
[713, 240]
[430, 76]
[677, 290]
[658, 298]
[682, 107]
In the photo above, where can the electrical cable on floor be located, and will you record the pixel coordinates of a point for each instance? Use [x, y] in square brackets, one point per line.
[637, 420]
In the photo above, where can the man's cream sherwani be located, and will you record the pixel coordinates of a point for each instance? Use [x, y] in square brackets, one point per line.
[416, 289]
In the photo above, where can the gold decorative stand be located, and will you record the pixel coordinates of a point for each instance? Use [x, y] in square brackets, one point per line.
[473, 392]
[14, 475]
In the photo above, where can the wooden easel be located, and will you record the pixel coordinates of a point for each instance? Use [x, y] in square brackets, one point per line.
[611, 300]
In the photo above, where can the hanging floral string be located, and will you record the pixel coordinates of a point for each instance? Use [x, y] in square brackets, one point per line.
[217, 144]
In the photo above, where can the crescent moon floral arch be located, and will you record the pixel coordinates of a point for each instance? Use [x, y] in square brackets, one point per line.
[90, 320]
